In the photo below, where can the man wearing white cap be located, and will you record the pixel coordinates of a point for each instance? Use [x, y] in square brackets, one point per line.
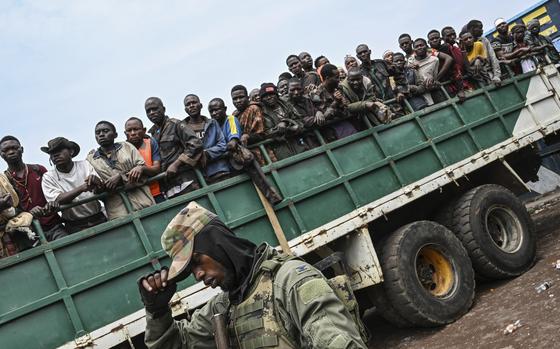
[503, 37]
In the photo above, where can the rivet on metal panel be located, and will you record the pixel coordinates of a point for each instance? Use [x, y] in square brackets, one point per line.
[84, 341]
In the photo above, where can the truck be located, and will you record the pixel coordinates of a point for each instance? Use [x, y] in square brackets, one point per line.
[418, 209]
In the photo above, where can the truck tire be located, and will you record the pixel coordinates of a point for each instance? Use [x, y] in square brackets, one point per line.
[496, 230]
[429, 279]
[377, 296]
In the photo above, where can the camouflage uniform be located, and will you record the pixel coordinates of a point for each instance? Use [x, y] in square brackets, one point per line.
[289, 305]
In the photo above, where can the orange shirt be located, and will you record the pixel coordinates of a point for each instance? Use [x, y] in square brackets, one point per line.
[146, 152]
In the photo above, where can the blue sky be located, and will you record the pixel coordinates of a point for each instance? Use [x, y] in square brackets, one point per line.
[67, 64]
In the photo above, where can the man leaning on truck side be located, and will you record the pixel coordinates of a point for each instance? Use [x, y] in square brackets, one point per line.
[119, 164]
[269, 299]
[71, 180]
[26, 180]
[179, 147]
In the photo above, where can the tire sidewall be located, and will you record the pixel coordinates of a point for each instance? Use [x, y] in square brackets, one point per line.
[519, 260]
[429, 307]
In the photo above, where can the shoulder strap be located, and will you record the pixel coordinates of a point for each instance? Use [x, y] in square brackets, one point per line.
[272, 265]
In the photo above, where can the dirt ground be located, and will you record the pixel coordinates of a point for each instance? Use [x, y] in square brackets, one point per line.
[498, 304]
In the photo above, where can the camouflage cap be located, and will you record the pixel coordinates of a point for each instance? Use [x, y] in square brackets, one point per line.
[178, 238]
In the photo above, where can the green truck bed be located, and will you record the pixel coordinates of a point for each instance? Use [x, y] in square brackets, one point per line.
[79, 288]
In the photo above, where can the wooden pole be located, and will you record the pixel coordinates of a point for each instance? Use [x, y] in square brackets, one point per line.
[275, 223]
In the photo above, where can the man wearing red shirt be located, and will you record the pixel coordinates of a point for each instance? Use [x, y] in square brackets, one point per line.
[26, 180]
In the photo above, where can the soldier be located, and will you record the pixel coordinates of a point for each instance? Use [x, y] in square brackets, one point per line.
[290, 300]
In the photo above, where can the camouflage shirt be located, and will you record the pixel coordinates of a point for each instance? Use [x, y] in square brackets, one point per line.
[311, 313]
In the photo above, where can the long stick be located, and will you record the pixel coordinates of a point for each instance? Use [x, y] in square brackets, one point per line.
[275, 223]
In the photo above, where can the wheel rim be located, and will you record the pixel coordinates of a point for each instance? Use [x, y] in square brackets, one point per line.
[435, 271]
[504, 228]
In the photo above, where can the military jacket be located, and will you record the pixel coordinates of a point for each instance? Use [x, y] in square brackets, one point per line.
[296, 308]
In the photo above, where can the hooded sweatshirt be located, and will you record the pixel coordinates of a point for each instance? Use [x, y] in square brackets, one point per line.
[235, 254]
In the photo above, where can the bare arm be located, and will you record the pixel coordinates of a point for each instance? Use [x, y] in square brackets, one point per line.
[447, 63]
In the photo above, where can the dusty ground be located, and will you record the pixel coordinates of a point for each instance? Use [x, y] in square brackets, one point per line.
[498, 304]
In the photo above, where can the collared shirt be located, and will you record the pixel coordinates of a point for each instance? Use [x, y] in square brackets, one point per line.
[169, 147]
[252, 121]
[325, 102]
[30, 192]
[379, 72]
[214, 144]
[123, 158]
[177, 141]
[56, 182]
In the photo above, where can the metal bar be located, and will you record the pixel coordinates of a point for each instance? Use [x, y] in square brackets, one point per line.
[60, 283]
[389, 158]
[429, 140]
[283, 191]
[80, 287]
[497, 111]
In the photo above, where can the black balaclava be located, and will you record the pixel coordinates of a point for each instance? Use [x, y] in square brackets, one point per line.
[235, 254]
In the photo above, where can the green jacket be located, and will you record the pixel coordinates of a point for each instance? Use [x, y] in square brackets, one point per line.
[356, 104]
[311, 314]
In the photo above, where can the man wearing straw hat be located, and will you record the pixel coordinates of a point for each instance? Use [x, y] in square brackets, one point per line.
[269, 299]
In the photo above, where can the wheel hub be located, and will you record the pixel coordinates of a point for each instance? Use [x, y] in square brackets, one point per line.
[435, 271]
[504, 229]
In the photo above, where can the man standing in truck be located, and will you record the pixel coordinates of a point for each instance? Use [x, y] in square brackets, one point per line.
[149, 149]
[71, 180]
[179, 147]
[269, 299]
[119, 164]
[212, 137]
[26, 180]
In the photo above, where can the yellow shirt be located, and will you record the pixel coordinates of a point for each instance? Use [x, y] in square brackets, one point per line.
[477, 50]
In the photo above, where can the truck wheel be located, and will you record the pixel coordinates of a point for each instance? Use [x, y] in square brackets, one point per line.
[496, 231]
[377, 296]
[429, 279]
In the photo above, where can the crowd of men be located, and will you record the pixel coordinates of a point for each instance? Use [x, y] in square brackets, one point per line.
[313, 103]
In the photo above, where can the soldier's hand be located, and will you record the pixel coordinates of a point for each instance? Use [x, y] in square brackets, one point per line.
[156, 291]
